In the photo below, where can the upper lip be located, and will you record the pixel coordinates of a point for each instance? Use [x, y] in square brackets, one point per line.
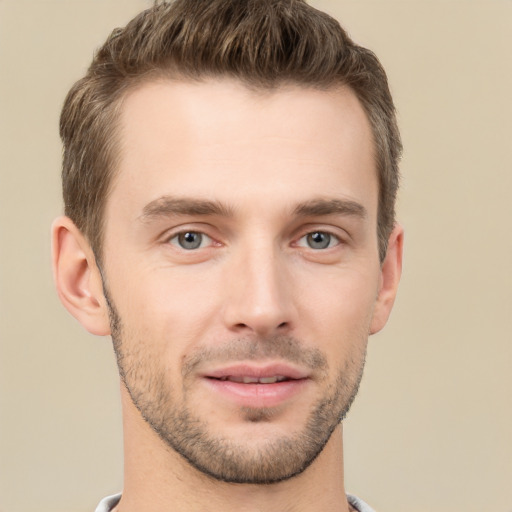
[251, 370]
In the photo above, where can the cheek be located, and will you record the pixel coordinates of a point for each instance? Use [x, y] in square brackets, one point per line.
[166, 310]
[342, 308]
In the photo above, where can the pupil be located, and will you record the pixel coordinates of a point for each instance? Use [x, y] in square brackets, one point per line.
[319, 240]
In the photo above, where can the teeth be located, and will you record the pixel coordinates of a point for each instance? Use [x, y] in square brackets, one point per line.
[249, 380]
[268, 380]
[255, 380]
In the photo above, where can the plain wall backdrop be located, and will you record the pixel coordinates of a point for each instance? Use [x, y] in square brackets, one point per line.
[431, 430]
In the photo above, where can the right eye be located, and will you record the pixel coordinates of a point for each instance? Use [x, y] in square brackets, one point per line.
[190, 240]
[319, 240]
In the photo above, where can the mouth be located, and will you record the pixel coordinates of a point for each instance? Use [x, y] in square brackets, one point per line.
[256, 386]
[251, 373]
[254, 380]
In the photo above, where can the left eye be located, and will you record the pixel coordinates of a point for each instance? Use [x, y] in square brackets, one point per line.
[190, 240]
[318, 240]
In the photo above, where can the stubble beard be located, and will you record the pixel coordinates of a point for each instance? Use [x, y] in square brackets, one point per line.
[219, 457]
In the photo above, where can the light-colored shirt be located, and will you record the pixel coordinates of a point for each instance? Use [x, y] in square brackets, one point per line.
[108, 503]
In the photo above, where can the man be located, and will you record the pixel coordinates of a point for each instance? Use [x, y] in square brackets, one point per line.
[230, 173]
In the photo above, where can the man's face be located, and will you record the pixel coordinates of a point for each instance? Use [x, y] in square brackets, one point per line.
[241, 266]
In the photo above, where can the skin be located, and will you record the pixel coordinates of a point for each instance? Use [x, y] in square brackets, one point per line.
[277, 166]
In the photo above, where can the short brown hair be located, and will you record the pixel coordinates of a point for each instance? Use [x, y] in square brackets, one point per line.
[263, 43]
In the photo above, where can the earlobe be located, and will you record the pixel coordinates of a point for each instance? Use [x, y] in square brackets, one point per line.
[391, 270]
[77, 277]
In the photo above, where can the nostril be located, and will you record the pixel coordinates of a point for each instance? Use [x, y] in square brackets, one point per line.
[241, 326]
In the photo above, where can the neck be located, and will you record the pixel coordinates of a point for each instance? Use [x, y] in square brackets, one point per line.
[156, 478]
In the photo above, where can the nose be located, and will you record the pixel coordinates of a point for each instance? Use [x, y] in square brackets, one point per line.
[258, 294]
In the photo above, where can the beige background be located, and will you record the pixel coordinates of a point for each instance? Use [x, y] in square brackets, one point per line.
[432, 428]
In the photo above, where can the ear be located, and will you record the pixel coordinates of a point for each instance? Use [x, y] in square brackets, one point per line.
[77, 277]
[391, 270]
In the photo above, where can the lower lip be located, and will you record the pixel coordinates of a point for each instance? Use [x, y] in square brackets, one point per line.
[257, 395]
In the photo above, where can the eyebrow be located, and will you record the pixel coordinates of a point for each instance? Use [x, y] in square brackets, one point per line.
[167, 206]
[320, 207]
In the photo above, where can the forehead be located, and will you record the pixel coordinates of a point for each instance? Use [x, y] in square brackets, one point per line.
[220, 138]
